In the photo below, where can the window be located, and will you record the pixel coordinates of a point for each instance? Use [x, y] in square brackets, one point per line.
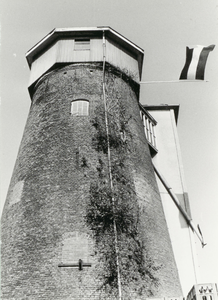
[149, 128]
[75, 251]
[82, 44]
[16, 192]
[80, 107]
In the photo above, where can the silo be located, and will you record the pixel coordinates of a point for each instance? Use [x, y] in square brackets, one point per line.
[83, 217]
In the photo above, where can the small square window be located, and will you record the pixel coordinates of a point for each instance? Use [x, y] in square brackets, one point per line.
[80, 107]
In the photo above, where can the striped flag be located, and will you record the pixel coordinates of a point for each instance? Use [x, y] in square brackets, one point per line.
[195, 62]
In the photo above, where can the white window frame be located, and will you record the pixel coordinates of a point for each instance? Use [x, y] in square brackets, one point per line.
[80, 107]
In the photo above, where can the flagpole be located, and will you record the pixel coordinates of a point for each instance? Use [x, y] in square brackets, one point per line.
[182, 211]
[171, 81]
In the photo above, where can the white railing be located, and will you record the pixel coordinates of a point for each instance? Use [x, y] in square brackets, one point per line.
[149, 127]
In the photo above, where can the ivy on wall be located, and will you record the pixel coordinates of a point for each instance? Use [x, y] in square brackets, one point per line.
[137, 271]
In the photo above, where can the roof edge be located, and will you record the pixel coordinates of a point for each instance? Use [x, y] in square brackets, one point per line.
[53, 35]
[175, 107]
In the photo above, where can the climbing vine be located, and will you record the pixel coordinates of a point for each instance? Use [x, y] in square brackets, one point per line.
[119, 205]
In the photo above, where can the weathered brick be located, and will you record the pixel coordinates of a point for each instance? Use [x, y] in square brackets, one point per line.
[51, 188]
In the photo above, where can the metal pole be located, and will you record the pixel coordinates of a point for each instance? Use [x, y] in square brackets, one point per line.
[176, 201]
[110, 176]
[172, 81]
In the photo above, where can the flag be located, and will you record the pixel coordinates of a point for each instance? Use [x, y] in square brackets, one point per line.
[195, 62]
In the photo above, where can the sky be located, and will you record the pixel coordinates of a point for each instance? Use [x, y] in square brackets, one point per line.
[163, 28]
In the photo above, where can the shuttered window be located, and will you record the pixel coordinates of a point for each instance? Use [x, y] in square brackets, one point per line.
[82, 44]
[80, 107]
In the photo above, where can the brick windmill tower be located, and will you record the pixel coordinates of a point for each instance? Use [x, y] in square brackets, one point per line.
[83, 217]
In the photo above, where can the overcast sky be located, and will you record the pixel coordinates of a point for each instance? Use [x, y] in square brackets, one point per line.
[163, 28]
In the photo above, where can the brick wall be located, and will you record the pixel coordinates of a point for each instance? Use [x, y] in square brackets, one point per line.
[46, 204]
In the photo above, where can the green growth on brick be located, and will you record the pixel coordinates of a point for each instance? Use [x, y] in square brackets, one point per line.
[136, 268]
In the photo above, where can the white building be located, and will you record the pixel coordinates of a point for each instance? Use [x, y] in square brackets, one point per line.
[160, 124]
